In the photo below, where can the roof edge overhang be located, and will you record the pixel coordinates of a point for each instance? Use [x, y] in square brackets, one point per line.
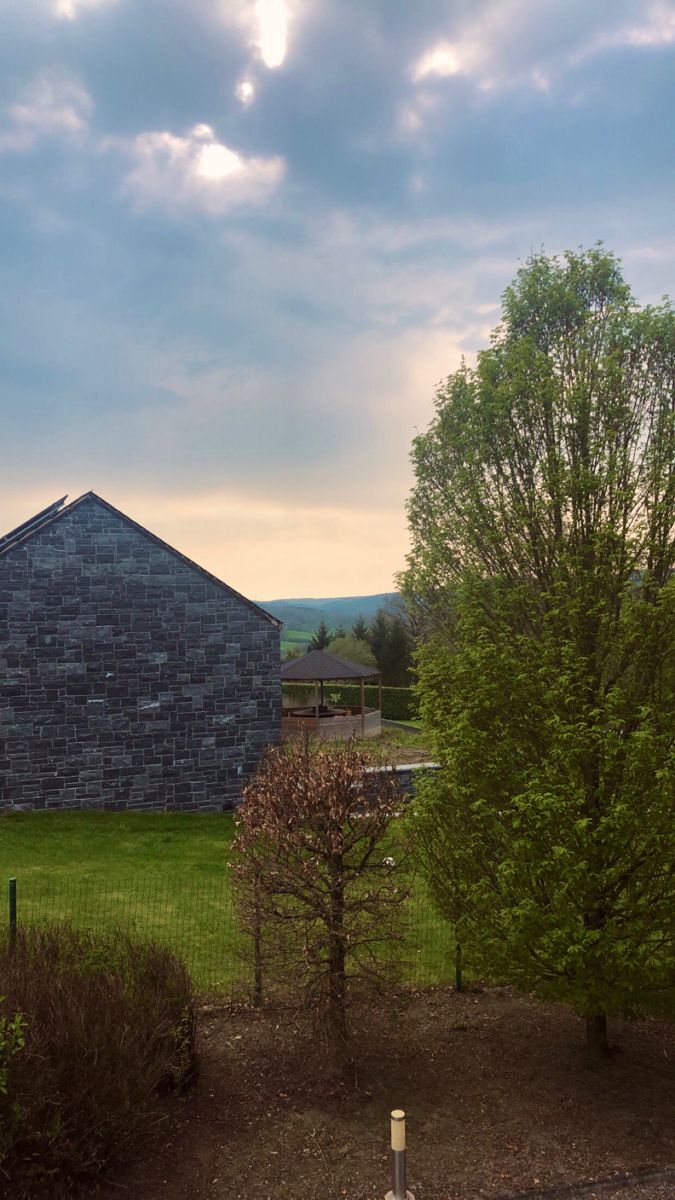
[327, 667]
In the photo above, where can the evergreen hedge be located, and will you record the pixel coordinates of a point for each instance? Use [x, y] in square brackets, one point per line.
[398, 704]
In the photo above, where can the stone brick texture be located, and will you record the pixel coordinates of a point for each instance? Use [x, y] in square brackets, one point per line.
[128, 678]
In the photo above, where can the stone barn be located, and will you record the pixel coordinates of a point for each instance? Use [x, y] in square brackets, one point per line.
[129, 676]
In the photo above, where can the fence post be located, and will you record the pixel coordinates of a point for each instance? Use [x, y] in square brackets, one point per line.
[257, 945]
[399, 1190]
[12, 913]
[458, 968]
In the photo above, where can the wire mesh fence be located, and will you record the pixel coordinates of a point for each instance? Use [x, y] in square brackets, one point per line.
[197, 918]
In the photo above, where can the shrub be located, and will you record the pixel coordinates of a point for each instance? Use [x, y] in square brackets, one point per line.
[94, 1028]
[317, 885]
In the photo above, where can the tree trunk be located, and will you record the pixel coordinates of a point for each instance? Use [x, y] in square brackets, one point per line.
[596, 1036]
[336, 990]
[337, 998]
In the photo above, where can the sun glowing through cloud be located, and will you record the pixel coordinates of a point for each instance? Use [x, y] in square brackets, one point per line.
[217, 162]
[272, 18]
[441, 60]
[245, 92]
[194, 172]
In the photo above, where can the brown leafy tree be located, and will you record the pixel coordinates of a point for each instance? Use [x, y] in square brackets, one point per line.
[321, 874]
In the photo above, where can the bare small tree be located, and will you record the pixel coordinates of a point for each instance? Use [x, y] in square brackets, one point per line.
[320, 874]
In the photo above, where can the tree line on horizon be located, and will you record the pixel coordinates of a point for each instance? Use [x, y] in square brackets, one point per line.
[386, 642]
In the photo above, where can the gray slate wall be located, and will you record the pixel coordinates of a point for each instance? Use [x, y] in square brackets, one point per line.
[127, 678]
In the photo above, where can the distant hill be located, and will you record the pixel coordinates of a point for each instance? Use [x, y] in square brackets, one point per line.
[307, 613]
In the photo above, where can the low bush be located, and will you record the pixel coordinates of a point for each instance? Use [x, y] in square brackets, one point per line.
[94, 1029]
[398, 704]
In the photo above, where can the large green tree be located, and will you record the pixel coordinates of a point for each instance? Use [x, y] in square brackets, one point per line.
[390, 640]
[543, 549]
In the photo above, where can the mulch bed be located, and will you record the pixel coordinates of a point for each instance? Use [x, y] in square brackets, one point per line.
[499, 1096]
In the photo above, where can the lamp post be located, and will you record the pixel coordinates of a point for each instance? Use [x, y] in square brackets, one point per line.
[399, 1190]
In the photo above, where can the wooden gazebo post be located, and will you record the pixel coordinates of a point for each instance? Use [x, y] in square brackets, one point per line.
[316, 702]
[363, 708]
[379, 696]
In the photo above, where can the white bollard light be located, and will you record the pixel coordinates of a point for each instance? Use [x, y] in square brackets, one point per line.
[399, 1190]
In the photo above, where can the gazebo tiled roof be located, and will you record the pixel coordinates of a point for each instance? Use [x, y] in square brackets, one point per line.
[317, 665]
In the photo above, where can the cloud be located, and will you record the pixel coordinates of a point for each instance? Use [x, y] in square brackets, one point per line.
[53, 105]
[655, 30]
[264, 25]
[195, 172]
[509, 44]
[272, 38]
[245, 383]
[442, 59]
[501, 46]
[68, 10]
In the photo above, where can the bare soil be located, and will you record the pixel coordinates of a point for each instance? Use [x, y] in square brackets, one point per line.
[499, 1097]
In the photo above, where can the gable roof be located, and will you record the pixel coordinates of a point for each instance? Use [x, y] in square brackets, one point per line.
[54, 512]
[317, 664]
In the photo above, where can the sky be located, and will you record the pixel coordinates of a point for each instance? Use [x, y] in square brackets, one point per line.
[242, 241]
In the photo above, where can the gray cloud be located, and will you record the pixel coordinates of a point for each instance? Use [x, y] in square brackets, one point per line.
[232, 316]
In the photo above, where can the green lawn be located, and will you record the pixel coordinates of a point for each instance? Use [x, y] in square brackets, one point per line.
[160, 874]
[165, 876]
[124, 845]
[294, 639]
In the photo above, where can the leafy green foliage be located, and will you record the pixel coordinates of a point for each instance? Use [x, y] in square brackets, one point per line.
[543, 522]
[12, 1040]
[353, 649]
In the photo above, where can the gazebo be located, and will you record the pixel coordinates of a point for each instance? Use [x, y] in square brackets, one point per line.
[318, 667]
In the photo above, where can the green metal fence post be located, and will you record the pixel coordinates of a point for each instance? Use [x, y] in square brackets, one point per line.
[12, 912]
[458, 968]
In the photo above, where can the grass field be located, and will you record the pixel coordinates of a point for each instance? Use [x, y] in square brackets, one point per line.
[159, 874]
[164, 876]
[294, 639]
